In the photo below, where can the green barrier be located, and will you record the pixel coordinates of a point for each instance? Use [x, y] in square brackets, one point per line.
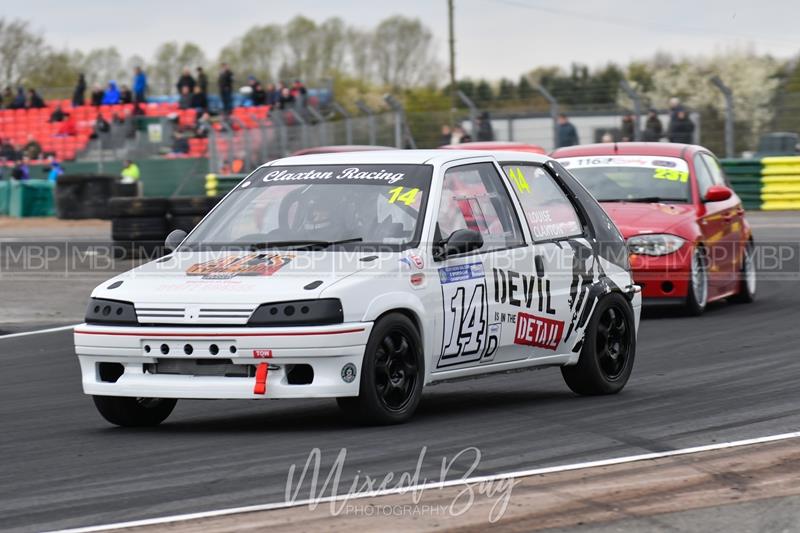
[31, 198]
[5, 196]
[771, 183]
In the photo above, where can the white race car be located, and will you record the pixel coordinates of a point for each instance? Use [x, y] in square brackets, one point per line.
[364, 277]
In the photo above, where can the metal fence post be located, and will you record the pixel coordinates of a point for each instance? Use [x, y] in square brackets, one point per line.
[402, 133]
[321, 123]
[729, 117]
[553, 111]
[245, 141]
[637, 108]
[303, 127]
[473, 112]
[348, 123]
[364, 108]
[213, 151]
[277, 119]
[263, 144]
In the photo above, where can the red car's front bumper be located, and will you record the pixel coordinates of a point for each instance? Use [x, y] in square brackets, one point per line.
[664, 277]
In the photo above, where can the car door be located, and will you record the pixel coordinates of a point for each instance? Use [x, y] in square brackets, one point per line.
[473, 327]
[714, 223]
[562, 260]
[733, 220]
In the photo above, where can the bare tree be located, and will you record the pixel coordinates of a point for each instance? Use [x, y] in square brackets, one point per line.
[20, 49]
[404, 53]
[103, 65]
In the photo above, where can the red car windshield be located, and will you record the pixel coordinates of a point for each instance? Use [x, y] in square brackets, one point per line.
[632, 178]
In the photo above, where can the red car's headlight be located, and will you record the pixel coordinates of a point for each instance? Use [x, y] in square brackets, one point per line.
[655, 244]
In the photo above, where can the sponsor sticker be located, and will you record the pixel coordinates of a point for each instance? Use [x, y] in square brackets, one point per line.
[453, 274]
[262, 354]
[349, 373]
[538, 331]
[254, 264]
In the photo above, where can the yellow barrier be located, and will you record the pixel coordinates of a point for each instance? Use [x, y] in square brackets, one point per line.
[780, 183]
[212, 183]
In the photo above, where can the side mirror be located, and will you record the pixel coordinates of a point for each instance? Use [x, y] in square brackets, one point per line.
[174, 239]
[717, 193]
[460, 241]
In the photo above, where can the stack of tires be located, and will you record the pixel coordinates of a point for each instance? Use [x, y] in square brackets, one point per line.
[80, 196]
[138, 226]
[186, 212]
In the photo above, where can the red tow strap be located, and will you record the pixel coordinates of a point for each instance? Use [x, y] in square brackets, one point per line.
[261, 379]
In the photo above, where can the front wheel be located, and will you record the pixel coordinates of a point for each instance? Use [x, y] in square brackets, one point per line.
[747, 274]
[698, 283]
[391, 375]
[134, 412]
[609, 347]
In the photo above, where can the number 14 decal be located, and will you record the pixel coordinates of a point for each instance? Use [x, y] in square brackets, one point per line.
[465, 325]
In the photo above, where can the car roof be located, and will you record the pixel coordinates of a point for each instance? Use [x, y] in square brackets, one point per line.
[341, 148]
[628, 148]
[402, 157]
[503, 146]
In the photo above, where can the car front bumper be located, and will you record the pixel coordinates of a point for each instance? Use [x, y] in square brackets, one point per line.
[184, 362]
[662, 278]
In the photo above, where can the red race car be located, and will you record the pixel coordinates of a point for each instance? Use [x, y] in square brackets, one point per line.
[687, 235]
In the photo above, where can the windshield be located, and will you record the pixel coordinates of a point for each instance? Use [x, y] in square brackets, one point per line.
[632, 178]
[324, 206]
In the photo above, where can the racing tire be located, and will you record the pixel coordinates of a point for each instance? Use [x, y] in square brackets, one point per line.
[134, 412]
[697, 297]
[392, 374]
[137, 207]
[747, 283]
[139, 228]
[608, 351]
[192, 205]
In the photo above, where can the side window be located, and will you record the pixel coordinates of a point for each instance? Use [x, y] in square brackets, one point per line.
[549, 212]
[704, 179]
[717, 175]
[473, 197]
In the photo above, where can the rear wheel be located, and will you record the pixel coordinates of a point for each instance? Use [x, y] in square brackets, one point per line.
[608, 351]
[747, 283]
[697, 298]
[391, 375]
[134, 412]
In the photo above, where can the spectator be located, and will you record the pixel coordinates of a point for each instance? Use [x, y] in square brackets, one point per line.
[97, 95]
[137, 110]
[628, 130]
[8, 97]
[199, 100]
[101, 126]
[180, 144]
[7, 151]
[273, 95]
[287, 99]
[79, 94]
[68, 128]
[32, 149]
[57, 115]
[34, 100]
[53, 169]
[202, 80]
[653, 129]
[139, 84]
[225, 83]
[130, 172]
[567, 134]
[203, 127]
[259, 96]
[674, 107]
[19, 100]
[681, 130]
[21, 171]
[186, 80]
[299, 92]
[446, 135]
[607, 137]
[463, 136]
[185, 100]
[485, 132]
[125, 95]
[111, 96]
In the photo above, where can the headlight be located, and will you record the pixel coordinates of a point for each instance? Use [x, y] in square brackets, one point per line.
[655, 244]
[299, 313]
[110, 312]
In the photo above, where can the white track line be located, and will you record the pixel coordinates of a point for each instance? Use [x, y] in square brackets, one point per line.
[36, 332]
[436, 485]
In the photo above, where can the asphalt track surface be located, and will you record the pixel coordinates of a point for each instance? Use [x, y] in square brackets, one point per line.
[731, 374]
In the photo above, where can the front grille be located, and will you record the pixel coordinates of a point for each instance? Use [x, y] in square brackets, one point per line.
[200, 367]
[222, 314]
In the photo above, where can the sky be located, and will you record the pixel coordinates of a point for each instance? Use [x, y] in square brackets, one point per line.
[494, 38]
